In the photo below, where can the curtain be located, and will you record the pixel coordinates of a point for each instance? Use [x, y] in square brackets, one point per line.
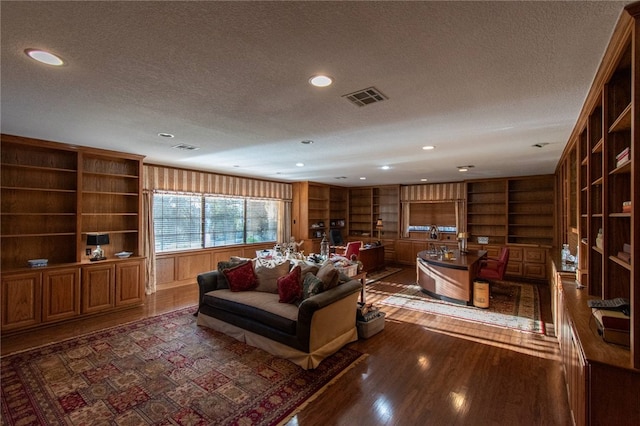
[284, 221]
[149, 243]
[406, 215]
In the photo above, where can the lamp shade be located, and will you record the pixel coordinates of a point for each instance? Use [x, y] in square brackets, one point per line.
[379, 223]
[97, 239]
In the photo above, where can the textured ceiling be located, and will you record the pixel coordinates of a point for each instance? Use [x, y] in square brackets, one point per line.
[482, 81]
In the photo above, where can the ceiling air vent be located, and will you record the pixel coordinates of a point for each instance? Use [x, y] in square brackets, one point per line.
[365, 96]
[185, 147]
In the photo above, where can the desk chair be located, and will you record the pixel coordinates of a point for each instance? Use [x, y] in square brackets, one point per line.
[492, 269]
[353, 248]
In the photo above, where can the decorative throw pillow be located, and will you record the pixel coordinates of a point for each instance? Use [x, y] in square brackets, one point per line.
[308, 267]
[225, 264]
[268, 277]
[289, 286]
[241, 277]
[311, 285]
[329, 276]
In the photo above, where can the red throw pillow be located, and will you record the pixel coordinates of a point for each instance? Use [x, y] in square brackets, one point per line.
[290, 287]
[241, 277]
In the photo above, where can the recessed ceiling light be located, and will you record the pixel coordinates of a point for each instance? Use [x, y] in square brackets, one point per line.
[385, 167]
[44, 57]
[320, 80]
[300, 164]
[306, 142]
[428, 147]
[464, 168]
[363, 178]
[423, 180]
[166, 135]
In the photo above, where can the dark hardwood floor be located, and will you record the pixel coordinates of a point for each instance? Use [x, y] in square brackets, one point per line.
[422, 369]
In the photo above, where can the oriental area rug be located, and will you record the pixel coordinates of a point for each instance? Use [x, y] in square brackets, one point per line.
[512, 305]
[159, 371]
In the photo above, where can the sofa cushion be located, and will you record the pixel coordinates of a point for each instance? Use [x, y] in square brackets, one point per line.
[268, 277]
[241, 277]
[311, 285]
[259, 306]
[329, 275]
[225, 264]
[290, 286]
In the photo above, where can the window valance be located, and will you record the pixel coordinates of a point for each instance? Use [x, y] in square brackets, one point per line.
[173, 179]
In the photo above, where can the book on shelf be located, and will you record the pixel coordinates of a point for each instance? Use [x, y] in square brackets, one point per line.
[624, 153]
[623, 157]
[622, 255]
[626, 207]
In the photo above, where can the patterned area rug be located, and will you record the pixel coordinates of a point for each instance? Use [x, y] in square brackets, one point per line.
[162, 370]
[383, 273]
[512, 305]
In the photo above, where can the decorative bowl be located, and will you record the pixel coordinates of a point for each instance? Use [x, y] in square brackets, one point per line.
[124, 254]
[483, 240]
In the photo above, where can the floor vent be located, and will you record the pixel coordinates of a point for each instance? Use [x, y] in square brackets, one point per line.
[365, 96]
[185, 147]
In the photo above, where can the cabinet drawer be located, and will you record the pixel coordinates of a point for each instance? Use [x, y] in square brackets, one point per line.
[515, 254]
[534, 270]
[534, 255]
[514, 269]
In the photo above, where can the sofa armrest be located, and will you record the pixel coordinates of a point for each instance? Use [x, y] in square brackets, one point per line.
[207, 281]
[313, 304]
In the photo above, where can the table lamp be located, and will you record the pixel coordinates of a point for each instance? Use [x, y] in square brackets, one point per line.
[379, 228]
[97, 240]
[462, 238]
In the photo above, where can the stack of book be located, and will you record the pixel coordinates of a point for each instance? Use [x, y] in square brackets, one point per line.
[623, 157]
[625, 254]
[626, 207]
[613, 326]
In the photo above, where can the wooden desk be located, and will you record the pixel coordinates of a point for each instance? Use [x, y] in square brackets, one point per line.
[449, 279]
[372, 258]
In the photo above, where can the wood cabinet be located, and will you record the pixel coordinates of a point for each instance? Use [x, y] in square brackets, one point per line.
[310, 214]
[53, 195]
[60, 293]
[111, 202]
[367, 205]
[39, 202]
[360, 212]
[339, 210]
[601, 381]
[531, 210]
[487, 211]
[605, 141]
[129, 280]
[98, 287]
[21, 300]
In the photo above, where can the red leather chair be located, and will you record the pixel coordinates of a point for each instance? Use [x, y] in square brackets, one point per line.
[353, 248]
[492, 269]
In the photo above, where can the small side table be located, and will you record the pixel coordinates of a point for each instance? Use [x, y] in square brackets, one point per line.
[362, 276]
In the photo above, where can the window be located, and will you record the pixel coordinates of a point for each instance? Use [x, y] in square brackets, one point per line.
[183, 222]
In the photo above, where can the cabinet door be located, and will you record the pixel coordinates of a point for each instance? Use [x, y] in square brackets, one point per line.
[129, 280]
[98, 288]
[21, 299]
[60, 294]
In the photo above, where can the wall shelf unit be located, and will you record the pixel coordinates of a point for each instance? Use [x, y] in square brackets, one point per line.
[53, 195]
[606, 139]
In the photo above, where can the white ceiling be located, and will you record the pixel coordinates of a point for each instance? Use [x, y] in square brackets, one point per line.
[482, 81]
